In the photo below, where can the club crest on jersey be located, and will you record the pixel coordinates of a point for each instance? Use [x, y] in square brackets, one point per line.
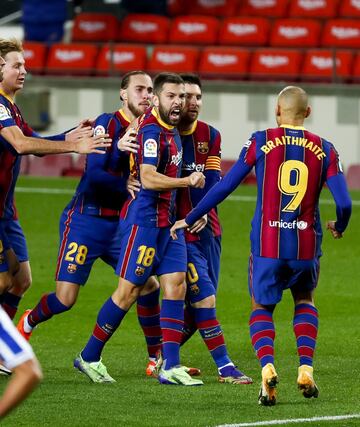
[72, 268]
[150, 148]
[140, 271]
[4, 113]
[194, 289]
[202, 147]
[99, 130]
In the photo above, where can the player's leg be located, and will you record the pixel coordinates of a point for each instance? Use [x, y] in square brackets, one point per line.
[305, 322]
[265, 291]
[171, 271]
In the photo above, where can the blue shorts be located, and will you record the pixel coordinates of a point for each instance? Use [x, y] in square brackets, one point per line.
[147, 251]
[84, 239]
[203, 268]
[269, 277]
[4, 246]
[15, 239]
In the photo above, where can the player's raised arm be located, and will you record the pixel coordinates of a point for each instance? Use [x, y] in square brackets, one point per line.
[28, 145]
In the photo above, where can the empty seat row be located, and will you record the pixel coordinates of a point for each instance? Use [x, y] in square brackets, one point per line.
[211, 62]
[205, 30]
[276, 8]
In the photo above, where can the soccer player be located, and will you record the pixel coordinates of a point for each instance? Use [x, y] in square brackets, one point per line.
[202, 152]
[89, 223]
[146, 246]
[292, 165]
[18, 356]
[16, 139]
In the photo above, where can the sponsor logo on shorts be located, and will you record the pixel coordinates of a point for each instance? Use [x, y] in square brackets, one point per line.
[140, 271]
[72, 268]
[300, 225]
[194, 289]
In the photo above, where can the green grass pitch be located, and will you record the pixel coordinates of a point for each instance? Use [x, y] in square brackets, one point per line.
[67, 398]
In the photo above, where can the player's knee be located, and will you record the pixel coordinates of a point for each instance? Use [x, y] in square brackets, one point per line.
[208, 302]
[151, 285]
[5, 282]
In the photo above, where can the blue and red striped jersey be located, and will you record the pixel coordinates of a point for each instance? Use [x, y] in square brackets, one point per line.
[102, 188]
[160, 146]
[292, 165]
[201, 153]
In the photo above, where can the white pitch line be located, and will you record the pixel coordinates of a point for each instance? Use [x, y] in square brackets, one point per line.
[233, 198]
[293, 421]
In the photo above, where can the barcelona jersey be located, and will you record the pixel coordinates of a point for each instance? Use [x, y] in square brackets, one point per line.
[102, 188]
[10, 115]
[160, 146]
[201, 153]
[291, 165]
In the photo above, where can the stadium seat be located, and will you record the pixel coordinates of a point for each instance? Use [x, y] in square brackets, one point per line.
[295, 33]
[349, 9]
[177, 7]
[144, 28]
[35, 56]
[72, 58]
[241, 31]
[116, 59]
[273, 8]
[49, 165]
[275, 63]
[216, 8]
[224, 61]
[321, 64]
[353, 177]
[193, 29]
[341, 33]
[177, 59]
[324, 9]
[92, 27]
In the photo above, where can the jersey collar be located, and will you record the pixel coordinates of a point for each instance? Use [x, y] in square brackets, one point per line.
[191, 130]
[124, 116]
[165, 125]
[6, 96]
[293, 127]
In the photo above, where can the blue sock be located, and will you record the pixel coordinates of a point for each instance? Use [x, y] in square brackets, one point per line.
[171, 322]
[10, 303]
[262, 333]
[108, 320]
[48, 305]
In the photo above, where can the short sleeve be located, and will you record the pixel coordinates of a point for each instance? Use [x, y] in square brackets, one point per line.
[149, 141]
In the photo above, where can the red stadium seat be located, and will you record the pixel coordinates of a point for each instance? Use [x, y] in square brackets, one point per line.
[323, 65]
[213, 7]
[89, 27]
[35, 56]
[273, 8]
[49, 165]
[295, 33]
[144, 28]
[71, 59]
[353, 177]
[177, 7]
[178, 59]
[275, 63]
[121, 57]
[313, 8]
[341, 33]
[241, 31]
[224, 61]
[194, 29]
[349, 9]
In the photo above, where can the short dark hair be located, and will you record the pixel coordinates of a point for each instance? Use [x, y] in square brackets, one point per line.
[163, 78]
[126, 78]
[191, 79]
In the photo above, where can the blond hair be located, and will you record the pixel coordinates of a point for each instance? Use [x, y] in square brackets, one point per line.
[10, 45]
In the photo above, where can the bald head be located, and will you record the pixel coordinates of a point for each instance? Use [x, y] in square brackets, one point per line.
[292, 106]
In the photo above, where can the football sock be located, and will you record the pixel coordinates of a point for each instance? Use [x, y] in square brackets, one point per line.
[305, 325]
[48, 305]
[172, 322]
[148, 311]
[189, 324]
[262, 333]
[212, 335]
[108, 320]
[10, 303]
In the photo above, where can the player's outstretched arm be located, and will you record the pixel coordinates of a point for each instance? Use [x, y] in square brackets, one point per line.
[153, 180]
[24, 379]
[28, 145]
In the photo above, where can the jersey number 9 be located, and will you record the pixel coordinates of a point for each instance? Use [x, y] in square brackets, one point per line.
[295, 187]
